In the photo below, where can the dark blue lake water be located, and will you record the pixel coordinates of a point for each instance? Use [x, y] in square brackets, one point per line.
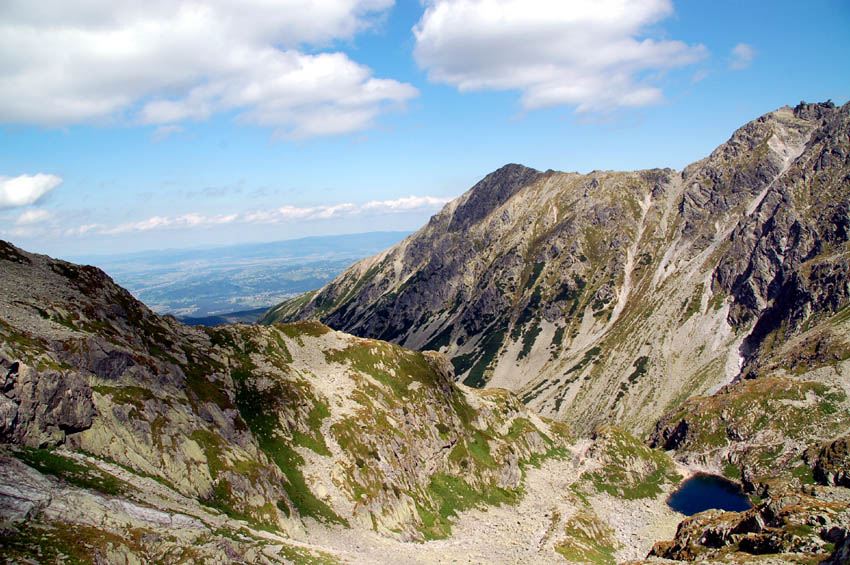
[703, 492]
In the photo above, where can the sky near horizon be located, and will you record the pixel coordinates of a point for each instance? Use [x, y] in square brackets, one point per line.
[152, 124]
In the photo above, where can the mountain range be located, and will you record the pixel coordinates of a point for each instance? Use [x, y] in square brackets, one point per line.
[611, 296]
[523, 380]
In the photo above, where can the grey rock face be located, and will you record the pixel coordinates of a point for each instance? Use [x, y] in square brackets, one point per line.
[39, 407]
[785, 261]
[493, 191]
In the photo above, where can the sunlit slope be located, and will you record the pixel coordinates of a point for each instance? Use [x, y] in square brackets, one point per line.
[615, 296]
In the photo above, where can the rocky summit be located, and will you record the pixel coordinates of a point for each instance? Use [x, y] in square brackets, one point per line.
[525, 380]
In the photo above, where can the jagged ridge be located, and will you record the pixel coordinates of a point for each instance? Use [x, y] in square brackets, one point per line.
[613, 297]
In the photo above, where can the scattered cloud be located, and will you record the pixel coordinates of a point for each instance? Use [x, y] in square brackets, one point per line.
[163, 62]
[24, 190]
[216, 191]
[84, 229]
[742, 56]
[700, 76]
[278, 215]
[157, 222]
[30, 217]
[163, 132]
[25, 231]
[405, 203]
[587, 53]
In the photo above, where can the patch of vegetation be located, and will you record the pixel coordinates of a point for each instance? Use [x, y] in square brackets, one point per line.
[588, 357]
[769, 406]
[295, 330]
[60, 543]
[588, 540]
[199, 369]
[222, 499]
[462, 363]
[451, 495]
[694, 304]
[538, 389]
[23, 345]
[717, 301]
[364, 442]
[490, 346]
[304, 556]
[279, 349]
[440, 340]
[528, 339]
[520, 427]
[803, 473]
[640, 369]
[630, 469]
[479, 449]
[80, 474]
[132, 395]
[598, 306]
[528, 313]
[558, 339]
[571, 293]
[374, 358]
[259, 409]
[792, 407]
[732, 471]
[288, 460]
[536, 269]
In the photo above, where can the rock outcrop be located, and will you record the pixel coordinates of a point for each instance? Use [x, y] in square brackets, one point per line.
[830, 462]
[789, 526]
[37, 408]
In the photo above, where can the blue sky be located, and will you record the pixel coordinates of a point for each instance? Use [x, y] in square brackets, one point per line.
[127, 126]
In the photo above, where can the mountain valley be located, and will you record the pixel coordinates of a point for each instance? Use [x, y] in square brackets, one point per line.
[524, 380]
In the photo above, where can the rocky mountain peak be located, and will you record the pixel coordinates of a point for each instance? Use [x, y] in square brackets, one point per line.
[548, 283]
[814, 111]
[489, 193]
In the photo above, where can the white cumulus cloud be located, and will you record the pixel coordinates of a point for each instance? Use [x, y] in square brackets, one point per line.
[161, 62]
[30, 217]
[24, 190]
[587, 53]
[742, 56]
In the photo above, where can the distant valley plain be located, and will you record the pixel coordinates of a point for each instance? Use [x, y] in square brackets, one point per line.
[236, 282]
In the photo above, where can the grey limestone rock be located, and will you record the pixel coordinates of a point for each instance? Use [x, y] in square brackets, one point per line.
[39, 407]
